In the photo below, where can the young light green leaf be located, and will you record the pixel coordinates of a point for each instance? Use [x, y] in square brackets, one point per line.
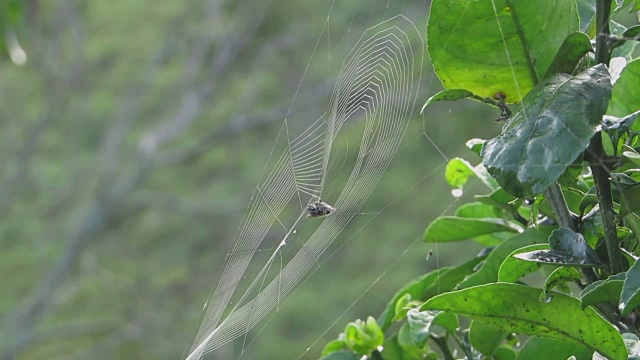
[333, 346]
[459, 30]
[453, 228]
[341, 355]
[630, 296]
[515, 308]
[552, 127]
[544, 348]
[491, 266]
[625, 96]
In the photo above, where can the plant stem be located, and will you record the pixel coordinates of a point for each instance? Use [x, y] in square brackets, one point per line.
[441, 341]
[556, 199]
[596, 151]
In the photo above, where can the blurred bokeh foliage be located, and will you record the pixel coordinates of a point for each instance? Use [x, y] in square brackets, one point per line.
[132, 136]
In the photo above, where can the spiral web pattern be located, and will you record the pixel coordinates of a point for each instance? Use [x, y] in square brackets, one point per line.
[375, 93]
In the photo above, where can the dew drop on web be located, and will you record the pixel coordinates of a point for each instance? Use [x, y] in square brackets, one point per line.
[457, 192]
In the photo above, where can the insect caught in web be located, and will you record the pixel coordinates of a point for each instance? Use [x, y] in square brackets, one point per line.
[318, 208]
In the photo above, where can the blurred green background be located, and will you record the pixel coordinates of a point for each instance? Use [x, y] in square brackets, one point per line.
[132, 136]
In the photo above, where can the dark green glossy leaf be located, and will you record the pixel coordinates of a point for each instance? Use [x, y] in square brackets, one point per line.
[625, 96]
[392, 350]
[491, 266]
[447, 320]
[459, 30]
[514, 267]
[573, 244]
[632, 32]
[632, 156]
[485, 338]
[574, 47]
[550, 130]
[453, 228]
[607, 290]
[629, 193]
[586, 11]
[633, 345]
[419, 325]
[630, 296]
[544, 348]
[409, 348]
[627, 48]
[616, 128]
[515, 308]
[448, 95]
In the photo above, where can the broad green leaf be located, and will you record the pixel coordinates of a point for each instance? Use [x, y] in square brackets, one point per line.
[410, 349]
[475, 210]
[586, 11]
[625, 96]
[514, 267]
[491, 266]
[453, 228]
[544, 348]
[627, 48]
[630, 296]
[552, 127]
[616, 128]
[574, 47]
[451, 277]
[530, 31]
[515, 308]
[607, 290]
[629, 193]
[634, 157]
[485, 338]
[448, 95]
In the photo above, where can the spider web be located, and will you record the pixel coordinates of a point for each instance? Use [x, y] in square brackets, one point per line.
[367, 116]
[372, 102]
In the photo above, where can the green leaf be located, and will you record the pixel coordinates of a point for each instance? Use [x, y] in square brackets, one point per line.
[475, 145]
[453, 228]
[633, 345]
[586, 11]
[409, 347]
[459, 30]
[634, 157]
[504, 353]
[550, 130]
[561, 276]
[447, 320]
[570, 243]
[515, 308]
[341, 355]
[627, 48]
[419, 325]
[448, 95]
[485, 338]
[629, 193]
[630, 296]
[457, 172]
[333, 346]
[625, 96]
[607, 290]
[544, 348]
[415, 288]
[451, 277]
[574, 47]
[475, 210]
[513, 267]
[491, 266]
[363, 337]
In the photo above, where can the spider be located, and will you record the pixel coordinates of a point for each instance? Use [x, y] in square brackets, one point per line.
[319, 208]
